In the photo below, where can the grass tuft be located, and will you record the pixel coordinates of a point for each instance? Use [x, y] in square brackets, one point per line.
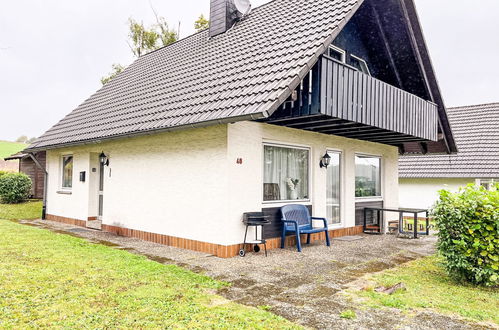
[55, 280]
[348, 314]
[429, 286]
[24, 211]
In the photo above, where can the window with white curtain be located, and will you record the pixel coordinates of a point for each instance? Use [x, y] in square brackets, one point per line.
[367, 176]
[67, 171]
[286, 173]
[333, 190]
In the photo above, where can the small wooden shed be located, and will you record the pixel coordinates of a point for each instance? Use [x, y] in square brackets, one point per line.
[28, 166]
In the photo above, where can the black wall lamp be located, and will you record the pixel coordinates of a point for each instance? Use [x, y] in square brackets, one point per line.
[103, 159]
[325, 160]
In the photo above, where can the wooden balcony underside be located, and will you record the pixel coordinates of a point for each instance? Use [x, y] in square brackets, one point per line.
[335, 126]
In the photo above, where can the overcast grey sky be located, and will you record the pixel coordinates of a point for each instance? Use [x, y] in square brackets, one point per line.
[54, 52]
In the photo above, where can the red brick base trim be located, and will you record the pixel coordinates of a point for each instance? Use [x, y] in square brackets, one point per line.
[222, 251]
[68, 221]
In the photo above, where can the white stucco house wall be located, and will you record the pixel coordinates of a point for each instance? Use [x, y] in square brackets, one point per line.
[238, 118]
[477, 161]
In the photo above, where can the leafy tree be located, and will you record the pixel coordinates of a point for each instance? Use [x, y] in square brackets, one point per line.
[167, 36]
[117, 69]
[31, 140]
[201, 23]
[142, 40]
[22, 139]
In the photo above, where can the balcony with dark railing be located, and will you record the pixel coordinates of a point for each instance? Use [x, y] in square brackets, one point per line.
[337, 99]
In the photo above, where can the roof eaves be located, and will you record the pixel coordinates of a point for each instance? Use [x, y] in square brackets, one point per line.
[19, 155]
[253, 116]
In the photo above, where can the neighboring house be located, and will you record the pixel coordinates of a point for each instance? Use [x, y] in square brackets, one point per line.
[477, 161]
[28, 165]
[238, 118]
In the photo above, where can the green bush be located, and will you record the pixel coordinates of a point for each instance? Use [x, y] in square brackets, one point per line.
[468, 232]
[3, 172]
[14, 187]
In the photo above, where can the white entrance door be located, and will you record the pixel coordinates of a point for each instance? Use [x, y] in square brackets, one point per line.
[333, 189]
[96, 185]
[101, 190]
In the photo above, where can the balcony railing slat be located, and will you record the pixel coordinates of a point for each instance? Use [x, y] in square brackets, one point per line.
[355, 95]
[334, 101]
[305, 110]
[364, 99]
[329, 87]
[339, 103]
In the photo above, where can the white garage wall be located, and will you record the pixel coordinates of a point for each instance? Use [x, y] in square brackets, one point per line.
[423, 193]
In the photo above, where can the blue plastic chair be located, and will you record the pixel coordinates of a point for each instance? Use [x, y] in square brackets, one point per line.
[297, 219]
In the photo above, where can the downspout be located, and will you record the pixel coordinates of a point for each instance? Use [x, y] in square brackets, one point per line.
[45, 178]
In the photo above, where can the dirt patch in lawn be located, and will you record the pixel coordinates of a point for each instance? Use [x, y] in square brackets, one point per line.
[306, 287]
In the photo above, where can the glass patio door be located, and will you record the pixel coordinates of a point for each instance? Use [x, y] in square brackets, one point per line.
[333, 190]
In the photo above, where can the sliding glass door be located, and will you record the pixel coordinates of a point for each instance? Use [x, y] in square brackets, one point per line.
[333, 191]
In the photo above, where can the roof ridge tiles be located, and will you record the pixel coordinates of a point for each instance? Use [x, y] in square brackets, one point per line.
[477, 138]
[481, 106]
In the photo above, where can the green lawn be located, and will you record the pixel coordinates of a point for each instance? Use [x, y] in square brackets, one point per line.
[428, 286]
[8, 148]
[25, 211]
[56, 280]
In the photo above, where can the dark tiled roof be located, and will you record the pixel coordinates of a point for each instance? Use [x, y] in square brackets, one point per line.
[476, 130]
[244, 73]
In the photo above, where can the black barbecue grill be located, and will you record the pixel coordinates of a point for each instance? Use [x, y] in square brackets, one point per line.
[254, 219]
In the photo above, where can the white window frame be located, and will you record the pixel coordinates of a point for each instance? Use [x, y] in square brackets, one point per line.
[341, 51]
[61, 176]
[362, 61]
[478, 182]
[381, 178]
[342, 185]
[289, 146]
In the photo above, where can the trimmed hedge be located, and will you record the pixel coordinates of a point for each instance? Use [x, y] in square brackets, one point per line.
[468, 232]
[14, 188]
